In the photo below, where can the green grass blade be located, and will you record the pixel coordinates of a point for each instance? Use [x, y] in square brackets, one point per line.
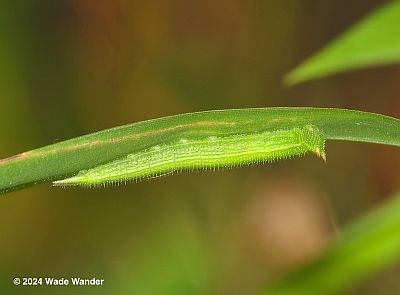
[369, 245]
[68, 157]
[374, 41]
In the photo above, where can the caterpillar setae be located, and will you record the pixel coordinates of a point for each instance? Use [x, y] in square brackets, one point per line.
[212, 152]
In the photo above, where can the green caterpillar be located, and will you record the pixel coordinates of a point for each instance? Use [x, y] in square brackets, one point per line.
[213, 152]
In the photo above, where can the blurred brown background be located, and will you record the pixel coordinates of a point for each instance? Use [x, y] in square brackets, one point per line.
[69, 68]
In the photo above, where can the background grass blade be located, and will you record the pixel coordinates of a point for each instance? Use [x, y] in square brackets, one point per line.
[365, 247]
[373, 41]
[68, 157]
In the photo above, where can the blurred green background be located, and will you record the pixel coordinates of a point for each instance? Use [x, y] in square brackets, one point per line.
[69, 68]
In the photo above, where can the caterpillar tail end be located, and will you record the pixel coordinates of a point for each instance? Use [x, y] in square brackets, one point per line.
[71, 181]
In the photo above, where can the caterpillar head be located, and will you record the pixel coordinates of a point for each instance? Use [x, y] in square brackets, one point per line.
[315, 140]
